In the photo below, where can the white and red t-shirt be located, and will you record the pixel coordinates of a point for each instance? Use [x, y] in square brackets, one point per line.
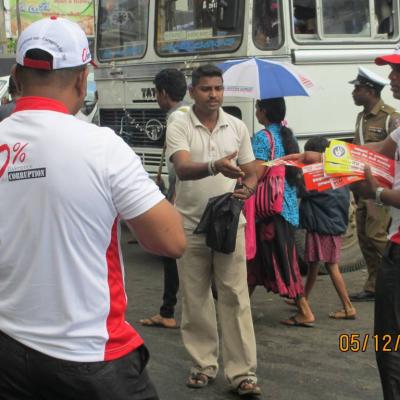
[64, 184]
[394, 233]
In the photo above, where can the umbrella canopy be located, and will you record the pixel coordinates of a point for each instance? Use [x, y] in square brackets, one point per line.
[263, 79]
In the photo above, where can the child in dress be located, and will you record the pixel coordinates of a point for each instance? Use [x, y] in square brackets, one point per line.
[324, 215]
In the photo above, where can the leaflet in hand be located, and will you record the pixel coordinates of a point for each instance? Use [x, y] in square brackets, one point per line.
[346, 159]
[343, 164]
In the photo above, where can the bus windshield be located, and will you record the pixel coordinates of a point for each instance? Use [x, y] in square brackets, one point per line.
[122, 29]
[267, 24]
[193, 26]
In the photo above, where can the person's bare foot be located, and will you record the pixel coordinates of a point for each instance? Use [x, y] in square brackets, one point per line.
[349, 313]
[299, 321]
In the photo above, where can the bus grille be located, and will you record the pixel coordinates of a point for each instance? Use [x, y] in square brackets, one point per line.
[151, 160]
[139, 128]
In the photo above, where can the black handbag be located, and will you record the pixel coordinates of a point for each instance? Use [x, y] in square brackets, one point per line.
[220, 222]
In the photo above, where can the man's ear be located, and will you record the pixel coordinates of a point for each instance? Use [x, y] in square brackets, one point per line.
[14, 76]
[81, 82]
[191, 91]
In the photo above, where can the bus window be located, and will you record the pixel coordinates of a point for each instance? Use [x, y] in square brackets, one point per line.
[198, 26]
[384, 17]
[122, 29]
[304, 17]
[346, 19]
[267, 24]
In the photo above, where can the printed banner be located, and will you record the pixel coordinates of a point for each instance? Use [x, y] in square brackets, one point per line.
[343, 163]
[80, 11]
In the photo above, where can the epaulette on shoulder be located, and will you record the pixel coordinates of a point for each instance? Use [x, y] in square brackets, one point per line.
[388, 109]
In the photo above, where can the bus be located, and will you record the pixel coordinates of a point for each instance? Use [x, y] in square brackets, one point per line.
[326, 39]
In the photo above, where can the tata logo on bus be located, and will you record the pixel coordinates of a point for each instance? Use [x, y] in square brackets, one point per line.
[148, 93]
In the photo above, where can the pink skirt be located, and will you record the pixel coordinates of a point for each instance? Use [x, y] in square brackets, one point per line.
[325, 248]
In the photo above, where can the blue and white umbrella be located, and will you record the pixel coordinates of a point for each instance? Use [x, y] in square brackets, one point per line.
[263, 79]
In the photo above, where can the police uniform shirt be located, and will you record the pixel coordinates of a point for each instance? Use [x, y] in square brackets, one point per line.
[394, 232]
[375, 125]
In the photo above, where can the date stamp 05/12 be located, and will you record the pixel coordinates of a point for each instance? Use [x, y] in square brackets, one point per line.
[356, 342]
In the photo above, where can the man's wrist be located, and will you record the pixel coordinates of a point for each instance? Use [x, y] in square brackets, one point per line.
[249, 189]
[378, 195]
[212, 170]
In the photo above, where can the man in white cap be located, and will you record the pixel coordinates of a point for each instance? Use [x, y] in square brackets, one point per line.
[64, 185]
[373, 124]
[386, 340]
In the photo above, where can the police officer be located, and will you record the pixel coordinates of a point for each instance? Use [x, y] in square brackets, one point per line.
[373, 124]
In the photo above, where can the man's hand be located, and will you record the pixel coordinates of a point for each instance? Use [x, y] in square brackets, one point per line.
[308, 157]
[366, 188]
[243, 192]
[226, 168]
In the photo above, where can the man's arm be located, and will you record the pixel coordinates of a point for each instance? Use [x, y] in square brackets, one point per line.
[367, 189]
[188, 170]
[386, 147]
[394, 122]
[160, 230]
[308, 157]
[178, 150]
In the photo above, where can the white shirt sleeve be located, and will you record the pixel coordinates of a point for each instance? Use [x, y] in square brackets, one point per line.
[177, 137]
[133, 191]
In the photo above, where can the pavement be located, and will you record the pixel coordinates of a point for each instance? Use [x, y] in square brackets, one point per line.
[293, 363]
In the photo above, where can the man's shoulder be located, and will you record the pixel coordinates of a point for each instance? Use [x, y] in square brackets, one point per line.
[91, 131]
[387, 109]
[177, 120]
[180, 112]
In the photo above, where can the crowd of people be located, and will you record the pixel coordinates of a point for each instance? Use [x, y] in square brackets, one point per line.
[63, 300]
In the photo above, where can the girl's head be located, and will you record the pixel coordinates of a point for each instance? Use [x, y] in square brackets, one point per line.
[316, 143]
[271, 110]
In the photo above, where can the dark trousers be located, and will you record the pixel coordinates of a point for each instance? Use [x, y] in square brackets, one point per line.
[387, 321]
[26, 374]
[171, 287]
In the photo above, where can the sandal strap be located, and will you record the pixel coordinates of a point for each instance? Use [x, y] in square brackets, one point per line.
[199, 376]
[247, 381]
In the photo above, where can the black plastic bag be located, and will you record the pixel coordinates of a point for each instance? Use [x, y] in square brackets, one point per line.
[220, 222]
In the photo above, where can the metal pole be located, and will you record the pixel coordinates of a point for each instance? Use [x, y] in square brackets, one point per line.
[3, 37]
[18, 14]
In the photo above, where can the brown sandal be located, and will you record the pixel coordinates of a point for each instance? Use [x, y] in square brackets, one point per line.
[198, 380]
[248, 387]
[159, 321]
[343, 314]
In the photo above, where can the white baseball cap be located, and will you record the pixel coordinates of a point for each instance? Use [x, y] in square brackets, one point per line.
[63, 39]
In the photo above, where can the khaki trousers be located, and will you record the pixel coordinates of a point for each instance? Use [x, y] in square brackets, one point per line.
[199, 324]
[372, 225]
